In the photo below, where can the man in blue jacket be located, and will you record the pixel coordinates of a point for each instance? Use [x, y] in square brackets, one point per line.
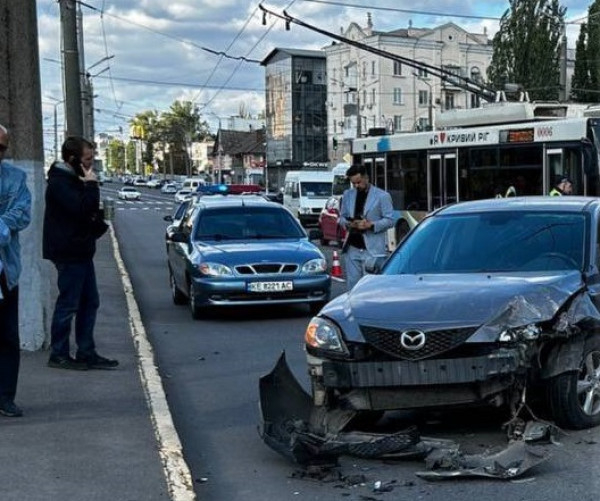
[15, 215]
[366, 213]
[72, 224]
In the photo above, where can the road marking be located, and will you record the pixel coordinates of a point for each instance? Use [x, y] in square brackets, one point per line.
[177, 472]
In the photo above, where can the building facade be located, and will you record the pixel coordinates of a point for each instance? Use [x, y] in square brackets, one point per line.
[366, 91]
[296, 113]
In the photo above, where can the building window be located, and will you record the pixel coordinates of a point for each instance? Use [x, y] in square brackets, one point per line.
[364, 70]
[423, 98]
[373, 97]
[397, 68]
[397, 95]
[397, 123]
[364, 97]
[449, 101]
[476, 74]
[422, 73]
[372, 68]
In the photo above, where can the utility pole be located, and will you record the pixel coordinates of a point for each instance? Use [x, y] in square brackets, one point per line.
[562, 92]
[72, 68]
[21, 113]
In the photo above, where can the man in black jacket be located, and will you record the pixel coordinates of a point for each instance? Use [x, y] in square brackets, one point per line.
[72, 224]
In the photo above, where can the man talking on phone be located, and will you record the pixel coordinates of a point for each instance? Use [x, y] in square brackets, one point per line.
[72, 224]
[367, 214]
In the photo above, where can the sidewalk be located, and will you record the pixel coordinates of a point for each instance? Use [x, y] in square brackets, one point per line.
[90, 435]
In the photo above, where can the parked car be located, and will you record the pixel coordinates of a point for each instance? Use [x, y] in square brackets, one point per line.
[329, 220]
[155, 183]
[492, 302]
[239, 250]
[129, 193]
[169, 188]
[183, 194]
[140, 182]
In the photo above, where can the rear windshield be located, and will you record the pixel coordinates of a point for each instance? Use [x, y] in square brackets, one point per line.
[494, 242]
[315, 189]
[245, 223]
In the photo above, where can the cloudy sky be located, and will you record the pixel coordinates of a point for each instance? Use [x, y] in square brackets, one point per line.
[160, 47]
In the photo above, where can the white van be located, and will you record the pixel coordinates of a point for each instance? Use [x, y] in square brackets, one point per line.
[192, 183]
[305, 193]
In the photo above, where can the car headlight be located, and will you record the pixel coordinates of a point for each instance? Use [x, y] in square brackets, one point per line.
[523, 333]
[304, 210]
[324, 335]
[214, 270]
[315, 266]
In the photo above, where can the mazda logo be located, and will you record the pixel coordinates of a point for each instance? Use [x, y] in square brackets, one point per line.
[412, 340]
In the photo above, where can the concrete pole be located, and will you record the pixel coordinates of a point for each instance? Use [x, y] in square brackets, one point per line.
[21, 113]
[562, 92]
[72, 69]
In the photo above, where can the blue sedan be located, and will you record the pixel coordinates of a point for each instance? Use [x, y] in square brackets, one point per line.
[244, 250]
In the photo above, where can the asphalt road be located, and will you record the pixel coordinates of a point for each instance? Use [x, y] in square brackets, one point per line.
[211, 368]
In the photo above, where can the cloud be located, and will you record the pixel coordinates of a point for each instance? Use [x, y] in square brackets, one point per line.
[159, 55]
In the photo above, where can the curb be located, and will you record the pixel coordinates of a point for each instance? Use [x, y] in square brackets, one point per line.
[177, 472]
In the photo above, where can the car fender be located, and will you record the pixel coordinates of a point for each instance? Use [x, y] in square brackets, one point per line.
[563, 356]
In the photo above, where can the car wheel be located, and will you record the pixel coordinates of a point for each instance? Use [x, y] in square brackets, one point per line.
[178, 296]
[196, 310]
[575, 396]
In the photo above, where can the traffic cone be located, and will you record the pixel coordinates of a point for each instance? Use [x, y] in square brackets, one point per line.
[336, 267]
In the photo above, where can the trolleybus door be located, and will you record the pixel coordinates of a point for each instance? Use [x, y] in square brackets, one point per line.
[442, 180]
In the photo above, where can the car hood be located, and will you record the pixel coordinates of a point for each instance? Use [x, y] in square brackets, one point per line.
[488, 302]
[259, 251]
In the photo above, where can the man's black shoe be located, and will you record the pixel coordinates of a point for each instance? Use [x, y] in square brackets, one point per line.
[10, 409]
[69, 363]
[97, 362]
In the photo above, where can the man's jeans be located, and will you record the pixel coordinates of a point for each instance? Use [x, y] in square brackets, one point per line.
[77, 296]
[10, 350]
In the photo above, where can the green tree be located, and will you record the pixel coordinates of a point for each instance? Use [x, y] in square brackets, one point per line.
[130, 157]
[592, 57]
[180, 126]
[116, 156]
[580, 83]
[527, 48]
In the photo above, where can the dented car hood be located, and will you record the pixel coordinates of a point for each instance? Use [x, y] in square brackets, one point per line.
[489, 302]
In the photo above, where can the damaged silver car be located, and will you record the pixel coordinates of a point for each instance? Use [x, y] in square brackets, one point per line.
[491, 302]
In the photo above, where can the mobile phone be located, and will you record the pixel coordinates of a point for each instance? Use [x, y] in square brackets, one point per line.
[76, 164]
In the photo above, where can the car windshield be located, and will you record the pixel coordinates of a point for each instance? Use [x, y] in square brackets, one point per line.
[494, 242]
[244, 223]
[315, 189]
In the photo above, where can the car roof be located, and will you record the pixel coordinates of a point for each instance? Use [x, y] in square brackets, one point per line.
[535, 203]
[236, 201]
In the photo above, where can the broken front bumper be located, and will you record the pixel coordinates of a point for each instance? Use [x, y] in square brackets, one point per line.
[400, 384]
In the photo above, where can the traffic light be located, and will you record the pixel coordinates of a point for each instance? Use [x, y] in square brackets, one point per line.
[335, 143]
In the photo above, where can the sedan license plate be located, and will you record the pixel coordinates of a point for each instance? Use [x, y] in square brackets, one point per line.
[270, 286]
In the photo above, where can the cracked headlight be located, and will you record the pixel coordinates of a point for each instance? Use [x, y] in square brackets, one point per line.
[524, 333]
[214, 270]
[315, 266]
[324, 335]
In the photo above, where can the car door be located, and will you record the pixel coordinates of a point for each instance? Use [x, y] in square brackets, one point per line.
[179, 252]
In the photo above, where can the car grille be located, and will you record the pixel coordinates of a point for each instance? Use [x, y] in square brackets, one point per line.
[266, 268]
[436, 342]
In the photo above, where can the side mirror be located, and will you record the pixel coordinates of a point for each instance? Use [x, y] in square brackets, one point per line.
[314, 234]
[179, 237]
[168, 218]
[374, 265]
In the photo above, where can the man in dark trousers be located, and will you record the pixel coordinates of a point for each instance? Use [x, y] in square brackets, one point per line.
[72, 224]
[15, 215]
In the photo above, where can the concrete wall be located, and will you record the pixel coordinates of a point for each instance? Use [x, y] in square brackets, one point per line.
[21, 113]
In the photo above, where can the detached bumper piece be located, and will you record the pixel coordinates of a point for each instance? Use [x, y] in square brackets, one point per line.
[308, 435]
